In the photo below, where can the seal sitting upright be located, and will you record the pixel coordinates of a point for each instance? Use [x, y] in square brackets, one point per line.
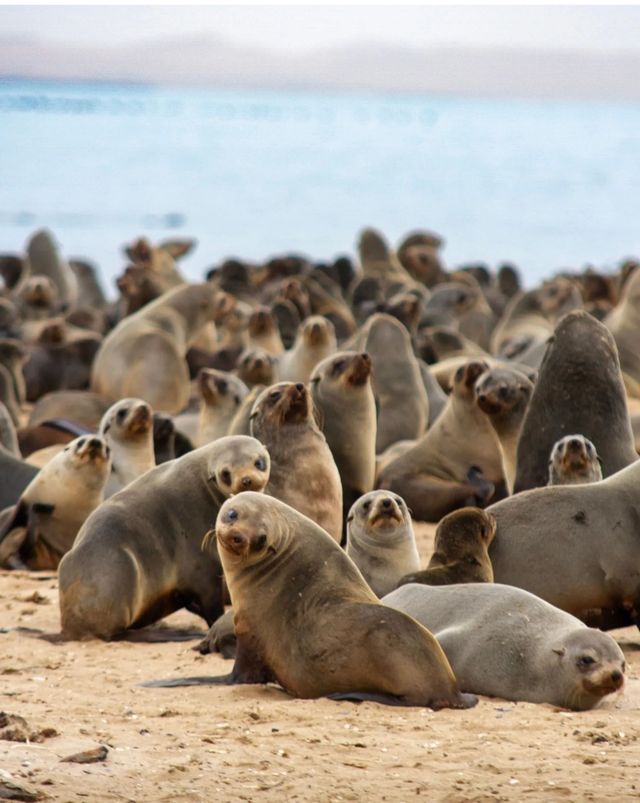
[305, 618]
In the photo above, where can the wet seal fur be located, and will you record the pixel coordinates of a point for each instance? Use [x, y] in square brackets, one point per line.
[504, 642]
[380, 540]
[460, 553]
[138, 557]
[305, 618]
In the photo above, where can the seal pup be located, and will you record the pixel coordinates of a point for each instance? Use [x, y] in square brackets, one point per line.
[127, 428]
[460, 550]
[503, 395]
[138, 557]
[504, 642]
[303, 471]
[574, 460]
[54, 506]
[380, 540]
[457, 463]
[144, 356]
[575, 546]
[221, 395]
[306, 619]
[342, 394]
[579, 389]
[316, 340]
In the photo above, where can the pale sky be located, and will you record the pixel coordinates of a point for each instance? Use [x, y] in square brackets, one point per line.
[315, 27]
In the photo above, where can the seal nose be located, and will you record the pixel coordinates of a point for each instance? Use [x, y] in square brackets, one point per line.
[386, 502]
[574, 443]
[299, 387]
[616, 677]
[482, 397]
[502, 392]
[247, 482]
[95, 443]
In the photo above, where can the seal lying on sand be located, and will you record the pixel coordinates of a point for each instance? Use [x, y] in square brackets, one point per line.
[504, 642]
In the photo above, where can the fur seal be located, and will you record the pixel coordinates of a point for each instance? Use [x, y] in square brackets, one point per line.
[264, 332]
[15, 476]
[397, 383]
[342, 393]
[127, 428]
[624, 323]
[144, 356]
[54, 506]
[305, 618]
[380, 540]
[138, 557]
[221, 395]
[303, 471]
[45, 259]
[504, 642]
[80, 406]
[579, 389]
[8, 436]
[460, 551]
[574, 460]
[503, 395]
[316, 340]
[241, 422]
[575, 546]
[449, 467]
[257, 367]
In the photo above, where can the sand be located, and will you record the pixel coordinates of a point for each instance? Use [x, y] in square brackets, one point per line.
[256, 743]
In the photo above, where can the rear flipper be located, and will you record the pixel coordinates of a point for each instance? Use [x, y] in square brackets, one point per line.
[463, 701]
[214, 680]
[483, 489]
[220, 638]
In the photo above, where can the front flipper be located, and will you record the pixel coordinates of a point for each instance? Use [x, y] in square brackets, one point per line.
[248, 668]
[462, 701]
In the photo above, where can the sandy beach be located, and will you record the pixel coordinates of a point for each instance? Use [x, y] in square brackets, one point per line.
[256, 743]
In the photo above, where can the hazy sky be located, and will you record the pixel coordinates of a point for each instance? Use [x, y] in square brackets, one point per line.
[305, 27]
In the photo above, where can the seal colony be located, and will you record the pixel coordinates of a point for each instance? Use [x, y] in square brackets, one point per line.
[264, 438]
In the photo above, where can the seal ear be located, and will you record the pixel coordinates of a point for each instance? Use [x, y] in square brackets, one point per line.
[559, 651]
[178, 248]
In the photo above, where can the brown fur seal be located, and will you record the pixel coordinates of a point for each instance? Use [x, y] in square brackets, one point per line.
[221, 395]
[8, 436]
[503, 395]
[81, 406]
[378, 260]
[575, 546]
[380, 540]
[624, 323]
[397, 383]
[579, 389]
[13, 355]
[342, 394]
[264, 332]
[503, 642]
[457, 462]
[316, 340]
[305, 618]
[144, 356]
[127, 428]
[303, 471]
[138, 557]
[45, 259]
[574, 460]
[460, 551]
[241, 422]
[257, 367]
[55, 505]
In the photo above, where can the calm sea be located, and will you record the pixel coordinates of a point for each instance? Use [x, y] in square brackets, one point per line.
[249, 174]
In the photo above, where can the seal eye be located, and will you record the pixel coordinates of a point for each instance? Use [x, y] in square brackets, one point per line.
[260, 541]
[366, 505]
[232, 515]
[586, 660]
[260, 464]
[121, 414]
[339, 365]
[225, 476]
[275, 395]
[81, 443]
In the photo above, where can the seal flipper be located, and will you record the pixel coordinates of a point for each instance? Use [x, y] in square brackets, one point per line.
[463, 701]
[248, 668]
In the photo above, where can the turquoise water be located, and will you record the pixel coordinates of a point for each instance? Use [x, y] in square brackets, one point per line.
[544, 184]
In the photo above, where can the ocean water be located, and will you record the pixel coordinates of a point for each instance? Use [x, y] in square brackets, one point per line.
[545, 184]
